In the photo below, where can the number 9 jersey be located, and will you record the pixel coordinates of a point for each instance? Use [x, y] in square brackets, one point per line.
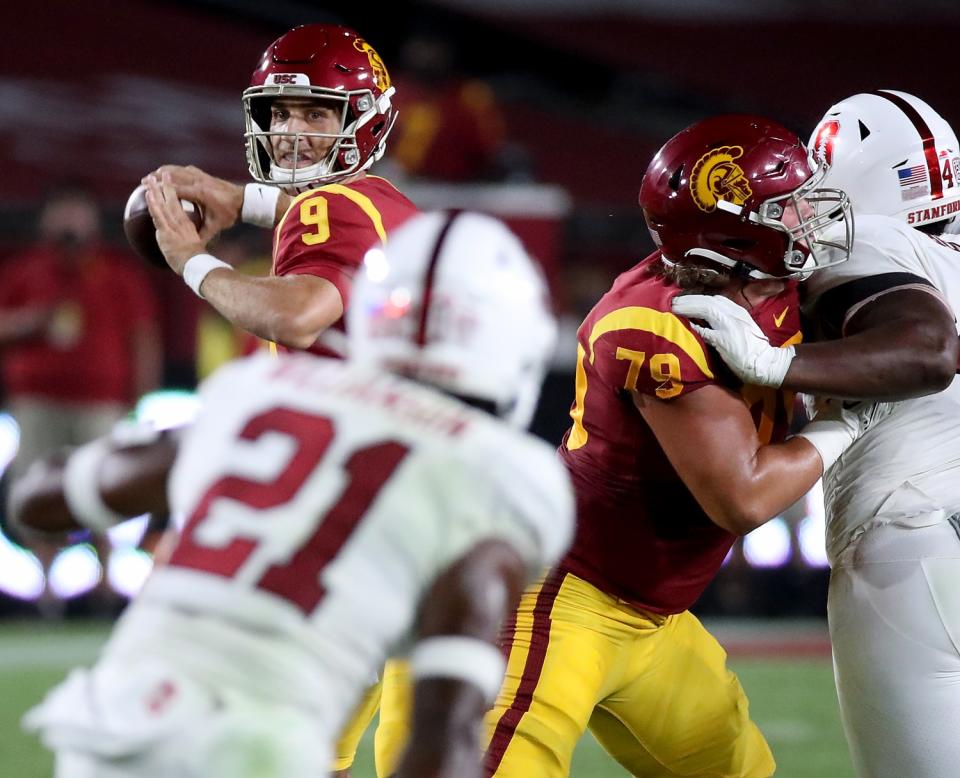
[327, 231]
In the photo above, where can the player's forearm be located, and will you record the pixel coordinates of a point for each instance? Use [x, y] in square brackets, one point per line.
[444, 741]
[37, 504]
[290, 311]
[764, 486]
[96, 485]
[893, 362]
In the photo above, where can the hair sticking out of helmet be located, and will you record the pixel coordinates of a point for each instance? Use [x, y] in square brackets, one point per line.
[455, 301]
[333, 93]
[893, 154]
[741, 196]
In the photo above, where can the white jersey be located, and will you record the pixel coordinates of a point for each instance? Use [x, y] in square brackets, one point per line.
[908, 465]
[321, 500]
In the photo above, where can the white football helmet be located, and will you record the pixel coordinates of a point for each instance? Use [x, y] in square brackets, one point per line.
[455, 301]
[893, 155]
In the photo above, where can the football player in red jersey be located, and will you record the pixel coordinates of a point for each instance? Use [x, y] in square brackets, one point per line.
[318, 113]
[673, 458]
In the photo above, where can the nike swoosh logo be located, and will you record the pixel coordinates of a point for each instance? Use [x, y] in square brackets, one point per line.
[778, 320]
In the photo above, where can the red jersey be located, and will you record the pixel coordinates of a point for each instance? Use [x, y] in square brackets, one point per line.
[87, 354]
[641, 535]
[327, 231]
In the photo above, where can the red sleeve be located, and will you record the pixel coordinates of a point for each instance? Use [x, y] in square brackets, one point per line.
[652, 352]
[325, 233]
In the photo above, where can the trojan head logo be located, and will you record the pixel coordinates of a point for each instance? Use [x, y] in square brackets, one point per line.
[824, 139]
[717, 177]
[380, 75]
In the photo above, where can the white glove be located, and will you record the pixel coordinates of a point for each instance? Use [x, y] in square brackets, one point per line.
[737, 338]
[835, 427]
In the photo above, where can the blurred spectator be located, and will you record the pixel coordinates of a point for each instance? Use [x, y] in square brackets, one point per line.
[78, 336]
[450, 127]
[247, 249]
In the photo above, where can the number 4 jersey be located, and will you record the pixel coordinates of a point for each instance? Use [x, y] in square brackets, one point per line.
[320, 500]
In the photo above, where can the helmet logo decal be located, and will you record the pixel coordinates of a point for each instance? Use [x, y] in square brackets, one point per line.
[717, 177]
[823, 141]
[380, 75]
[279, 79]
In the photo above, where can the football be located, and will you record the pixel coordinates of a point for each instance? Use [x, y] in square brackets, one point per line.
[139, 228]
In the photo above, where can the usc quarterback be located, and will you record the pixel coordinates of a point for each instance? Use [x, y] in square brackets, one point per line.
[318, 112]
[672, 458]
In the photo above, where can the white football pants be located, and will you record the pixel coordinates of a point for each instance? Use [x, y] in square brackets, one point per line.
[894, 611]
[153, 722]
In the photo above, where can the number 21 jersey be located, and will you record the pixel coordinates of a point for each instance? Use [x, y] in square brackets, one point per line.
[320, 500]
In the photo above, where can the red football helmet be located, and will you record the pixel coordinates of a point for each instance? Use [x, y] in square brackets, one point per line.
[744, 192]
[330, 63]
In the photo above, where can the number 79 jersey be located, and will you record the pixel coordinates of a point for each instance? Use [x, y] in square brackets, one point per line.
[641, 535]
[320, 502]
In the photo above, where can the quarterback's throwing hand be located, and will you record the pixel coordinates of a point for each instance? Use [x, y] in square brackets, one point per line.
[737, 338]
[176, 235]
[221, 200]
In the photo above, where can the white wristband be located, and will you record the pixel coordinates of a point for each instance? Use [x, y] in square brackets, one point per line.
[830, 438]
[259, 205]
[81, 487]
[461, 658]
[198, 267]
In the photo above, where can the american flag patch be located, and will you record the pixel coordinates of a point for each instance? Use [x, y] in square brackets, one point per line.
[910, 176]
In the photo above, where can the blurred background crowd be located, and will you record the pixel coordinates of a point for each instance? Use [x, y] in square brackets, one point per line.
[542, 112]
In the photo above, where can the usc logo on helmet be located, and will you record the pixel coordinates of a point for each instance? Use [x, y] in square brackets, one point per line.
[717, 177]
[380, 75]
[823, 140]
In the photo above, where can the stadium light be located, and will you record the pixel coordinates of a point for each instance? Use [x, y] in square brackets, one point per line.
[9, 440]
[128, 569]
[21, 574]
[75, 571]
[768, 545]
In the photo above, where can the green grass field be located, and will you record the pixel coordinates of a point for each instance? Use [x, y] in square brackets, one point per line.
[793, 701]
